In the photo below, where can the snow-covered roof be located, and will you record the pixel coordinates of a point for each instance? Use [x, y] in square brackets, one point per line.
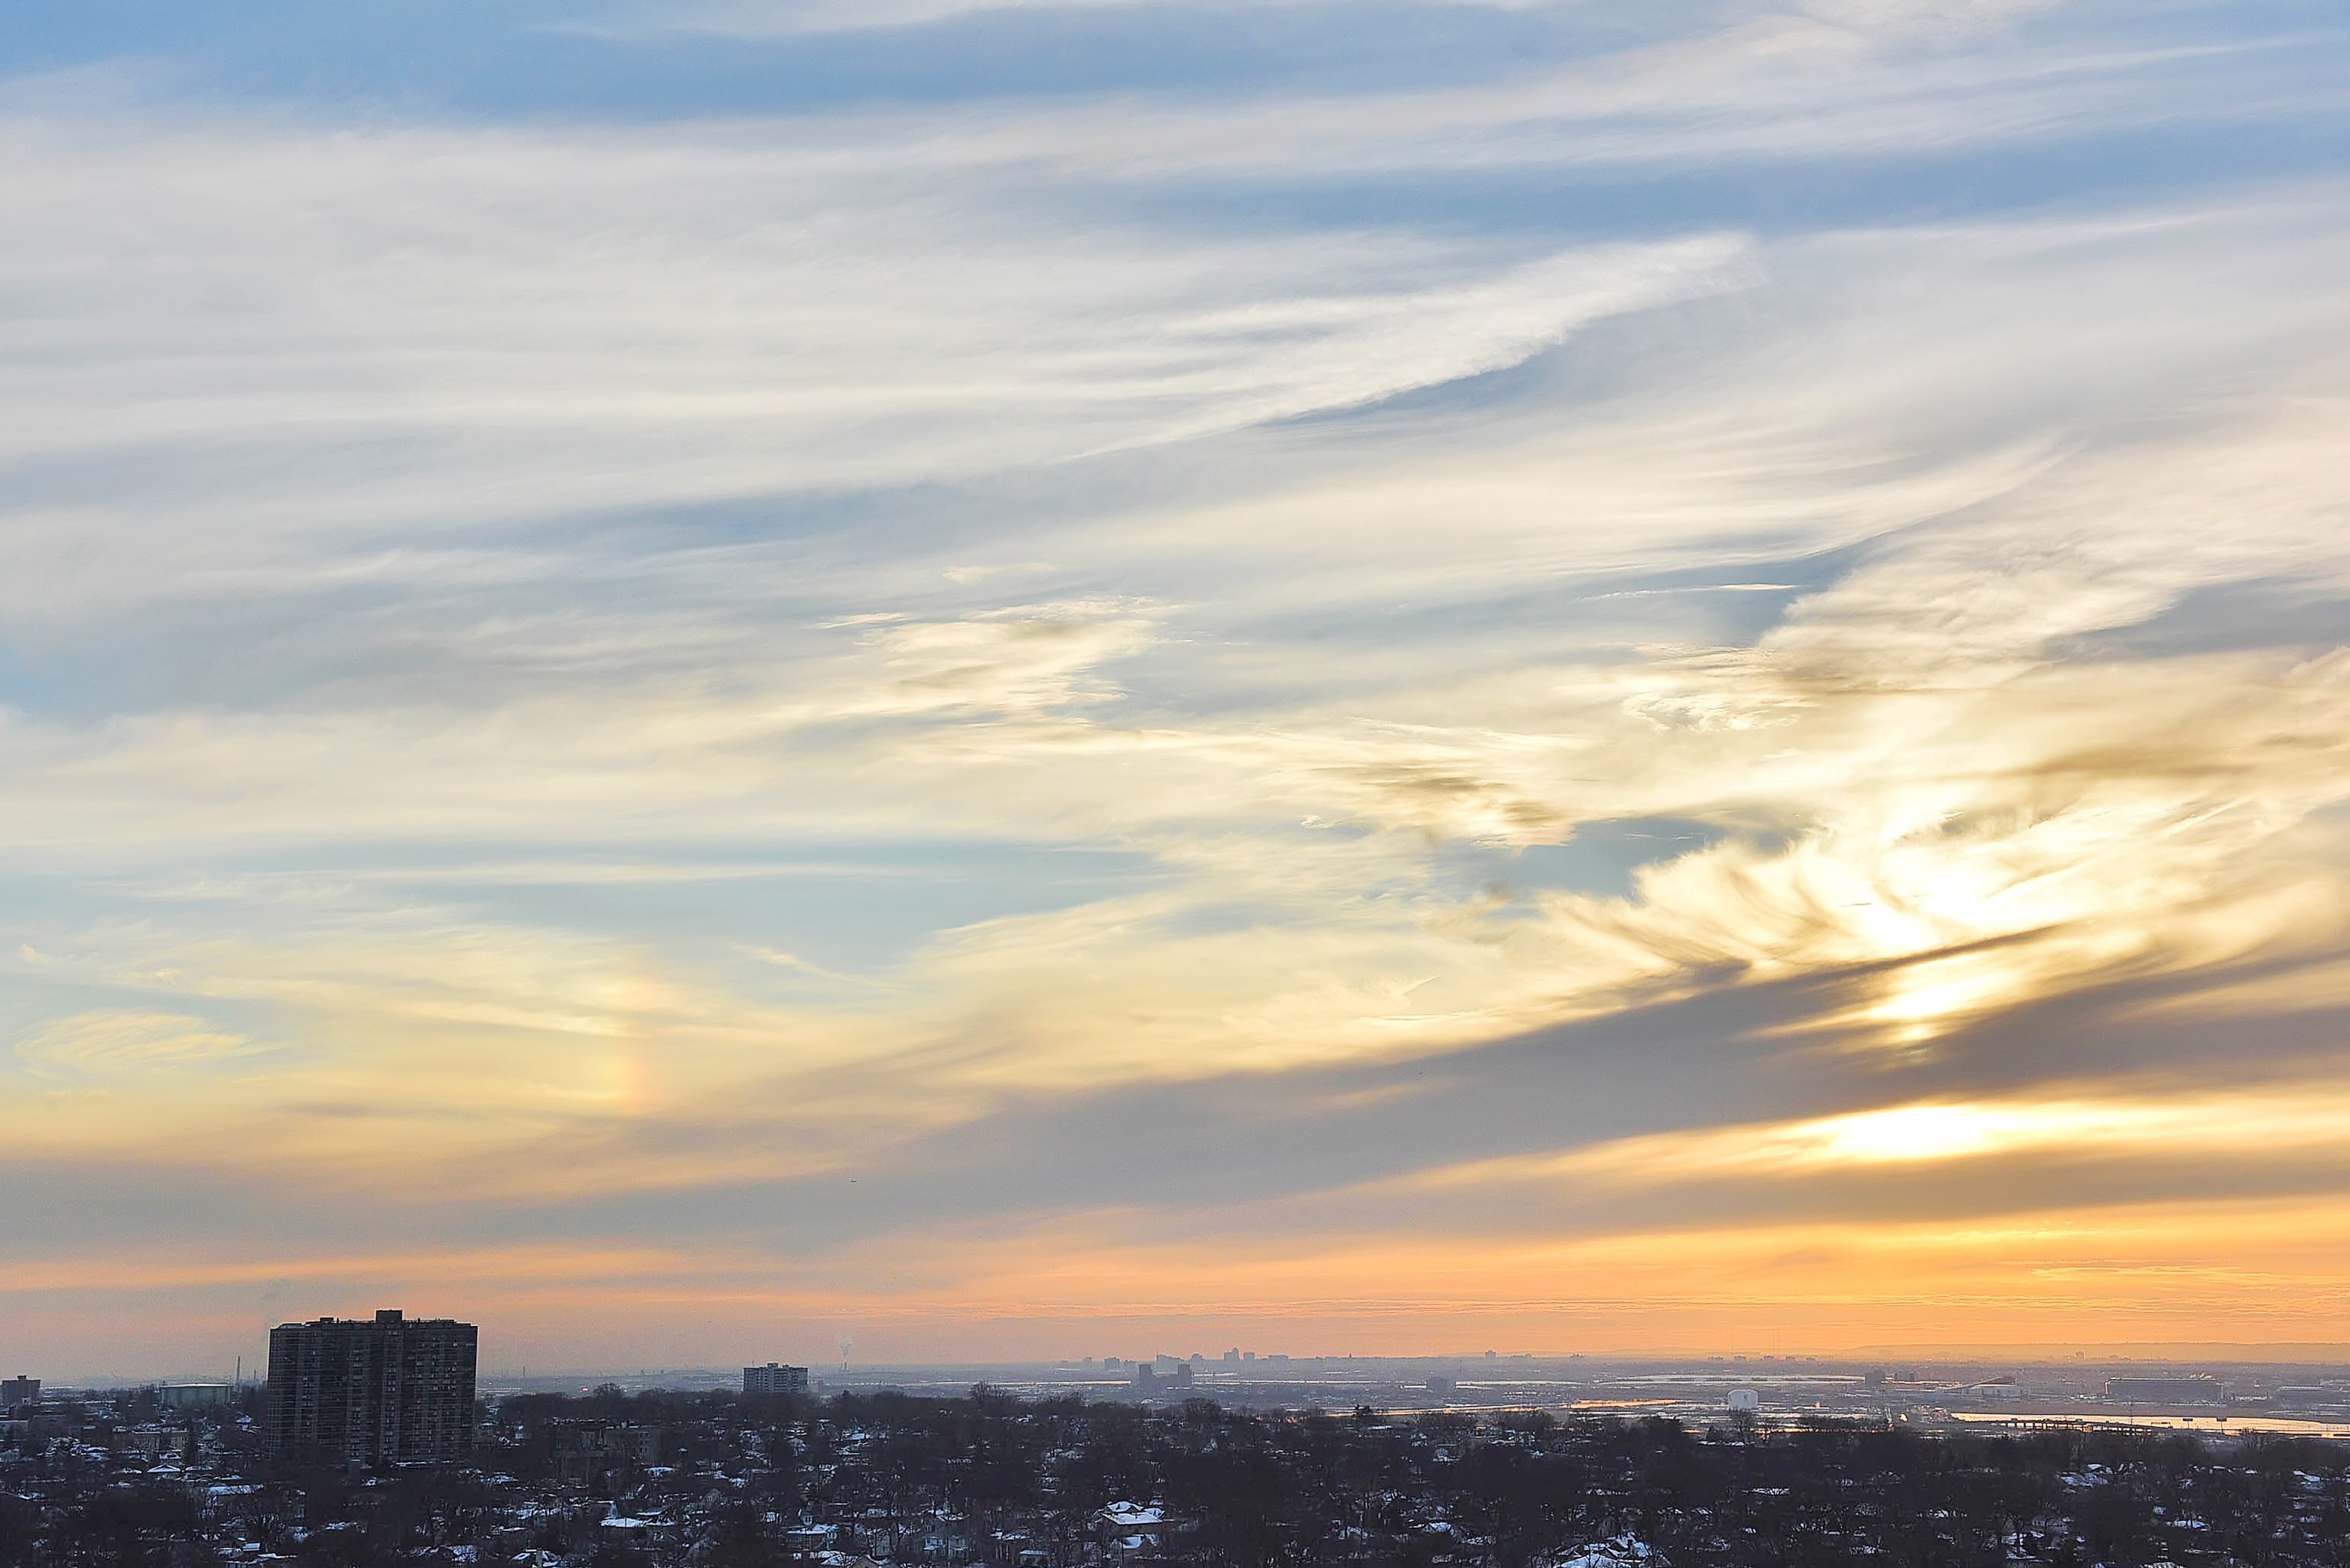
[1619, 1552]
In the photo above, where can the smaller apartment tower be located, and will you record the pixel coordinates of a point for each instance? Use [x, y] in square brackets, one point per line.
[759, 1382]
[397, 1390]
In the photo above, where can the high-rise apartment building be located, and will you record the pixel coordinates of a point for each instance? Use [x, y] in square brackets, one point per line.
[397, 1390]
[20, 1390]
[773, 1379]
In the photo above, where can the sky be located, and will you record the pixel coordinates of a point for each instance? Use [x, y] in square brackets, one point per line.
[915, 680]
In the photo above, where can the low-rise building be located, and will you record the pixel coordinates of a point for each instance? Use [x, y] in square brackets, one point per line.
[2167, 1390]
[193, 1396]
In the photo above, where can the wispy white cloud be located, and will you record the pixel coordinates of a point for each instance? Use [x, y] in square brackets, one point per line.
[298, 336]
[761, 17]
[756, 18]
[112, 1044]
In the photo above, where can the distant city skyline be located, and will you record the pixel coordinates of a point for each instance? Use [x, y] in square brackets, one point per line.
[1114, 1367]
[977, 680]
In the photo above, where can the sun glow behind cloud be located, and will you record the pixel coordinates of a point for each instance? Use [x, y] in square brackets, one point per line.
[1693, 680]
[2292, 1125]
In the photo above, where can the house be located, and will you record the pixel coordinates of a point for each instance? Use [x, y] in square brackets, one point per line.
[1128, 1532]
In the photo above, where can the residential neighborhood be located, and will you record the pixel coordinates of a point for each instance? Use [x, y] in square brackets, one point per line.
[613, 1478]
